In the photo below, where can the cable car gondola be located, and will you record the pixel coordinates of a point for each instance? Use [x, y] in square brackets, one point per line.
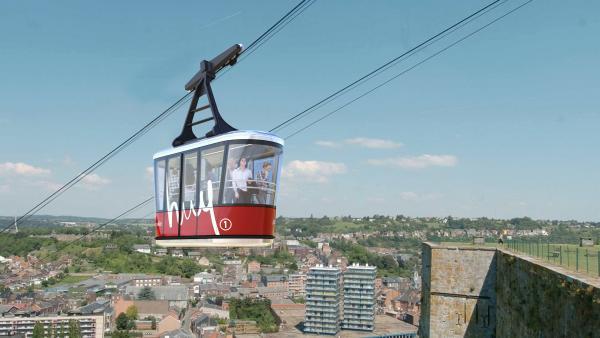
[218, 190]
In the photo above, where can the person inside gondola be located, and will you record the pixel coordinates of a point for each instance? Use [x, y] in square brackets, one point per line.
[229, 190]
[263, 183]
[239, 181]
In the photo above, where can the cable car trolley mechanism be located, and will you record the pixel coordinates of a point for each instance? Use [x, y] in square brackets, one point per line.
[218, 190]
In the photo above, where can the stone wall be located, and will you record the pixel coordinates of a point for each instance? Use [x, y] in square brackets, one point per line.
[459, 297]
[538, 300]
[483, 292]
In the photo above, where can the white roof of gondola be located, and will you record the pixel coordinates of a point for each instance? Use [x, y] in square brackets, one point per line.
[234, 135]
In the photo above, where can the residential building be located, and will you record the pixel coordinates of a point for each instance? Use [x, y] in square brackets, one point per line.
[275, 281]
[146, 308]
[160, 251]
[203, 261]
[204, 278]
[359, 297]
[269, 292]
[176, 295]
[90, 326]
[168, 323]
[146, 280]
[253, 267]
[211, 290]
[408, 306]
[322, 314]
[177, 253]
[297, 285]
[142, 248]
[326, 249]
[7, 310]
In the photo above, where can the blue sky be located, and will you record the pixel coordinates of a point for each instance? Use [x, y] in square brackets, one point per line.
[502, 125]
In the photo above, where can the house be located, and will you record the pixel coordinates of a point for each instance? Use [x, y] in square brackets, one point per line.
[214, 311]
[275, 281]
[386, 298]
[392, 282]
[297, 285]
[272, 292]
[7, 310]
[146, 308]
[179, 333]
[408, 306]
[202, 323]
[176, 295]
[204, 278]
[177, 253]
[142, 248]
[253, 267]
[160, 251]
[326, 249]
[110, 247]
[146, 280]
[194, 254]
[212, 290]
[169, 323]
[97, 308]
[203, 261]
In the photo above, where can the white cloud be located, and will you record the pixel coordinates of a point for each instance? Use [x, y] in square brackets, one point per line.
[373, 143]
[68, 161]
[4, 188]
[314, 171]
[46, 185]
[409, 196]
[417, 162]
[21, 169]
[94, 181]
[415, 197]
[328, 144]
[365, 142]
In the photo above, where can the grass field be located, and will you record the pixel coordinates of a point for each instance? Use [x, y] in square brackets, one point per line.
[70, 279]
[571, 256]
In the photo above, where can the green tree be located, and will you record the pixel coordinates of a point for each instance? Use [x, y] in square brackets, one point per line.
[38, 330]
[60, 331]
[132, 312]
[122, 321]
[120, 334]
[146, 293]
[74, 330]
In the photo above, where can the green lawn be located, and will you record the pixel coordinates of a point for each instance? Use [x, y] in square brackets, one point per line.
[571, 256]
[70, 279]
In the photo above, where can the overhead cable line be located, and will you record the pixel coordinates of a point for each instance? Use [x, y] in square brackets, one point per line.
[356, 98]
[409, 69]
[128, 211]
[389, 64]
[257, 43]
[65, 187]
[295, 12]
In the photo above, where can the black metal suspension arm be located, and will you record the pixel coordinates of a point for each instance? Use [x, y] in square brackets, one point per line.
[200, 84]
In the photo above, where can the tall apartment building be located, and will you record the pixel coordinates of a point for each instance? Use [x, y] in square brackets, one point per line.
[359, 297]
[322, 314]
[89, 326]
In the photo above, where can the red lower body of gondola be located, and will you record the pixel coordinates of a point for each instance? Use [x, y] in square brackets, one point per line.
[220, 226]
